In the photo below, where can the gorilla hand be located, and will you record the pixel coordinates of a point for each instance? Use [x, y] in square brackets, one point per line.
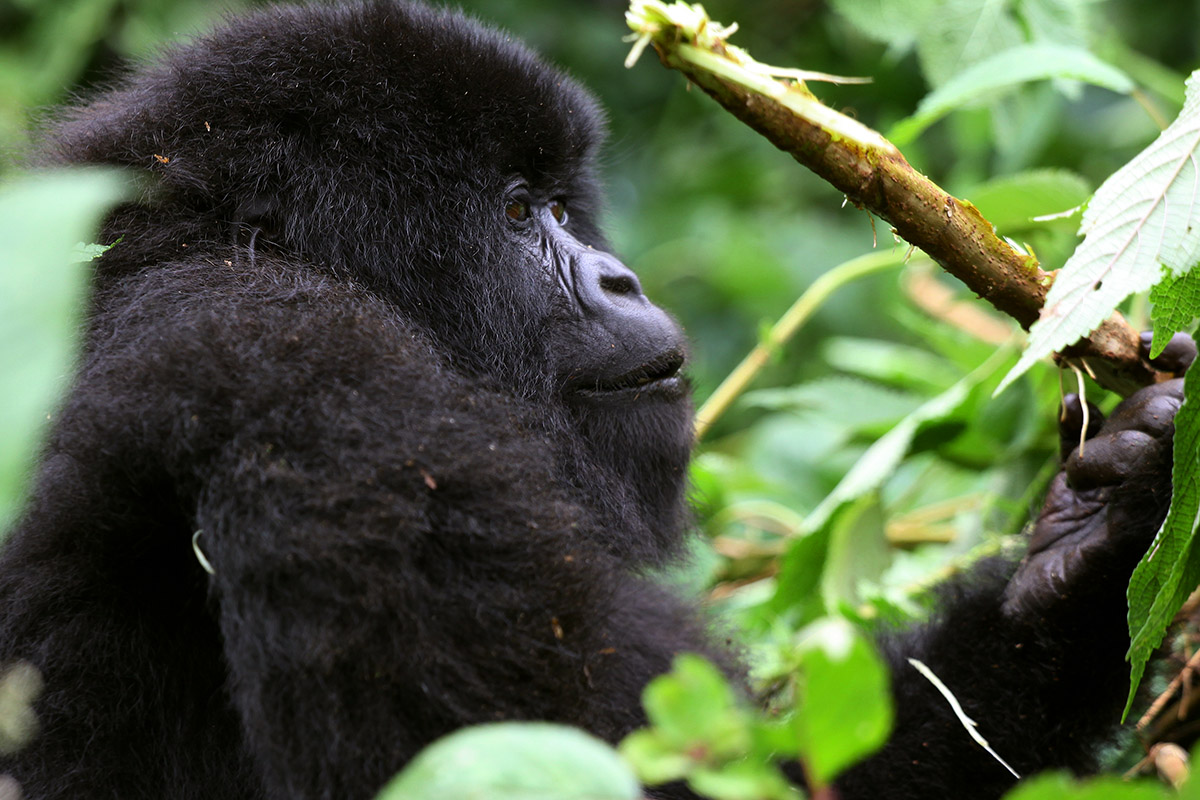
[1107, 502]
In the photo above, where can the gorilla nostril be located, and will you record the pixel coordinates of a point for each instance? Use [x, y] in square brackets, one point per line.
[619, 284]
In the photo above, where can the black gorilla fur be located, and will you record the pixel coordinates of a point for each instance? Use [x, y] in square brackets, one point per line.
[428, 431]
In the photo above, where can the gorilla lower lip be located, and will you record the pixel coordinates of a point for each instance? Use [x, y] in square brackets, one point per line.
[668, 388]
[660, 375]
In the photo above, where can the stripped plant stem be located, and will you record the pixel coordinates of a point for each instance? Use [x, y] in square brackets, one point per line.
[874, 175]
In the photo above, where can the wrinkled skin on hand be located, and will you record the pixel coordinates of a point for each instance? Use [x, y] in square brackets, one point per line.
[1088, 525]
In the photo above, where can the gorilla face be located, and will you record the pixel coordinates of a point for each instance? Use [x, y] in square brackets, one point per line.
[623, 346]
[445, 169]
[457, 180]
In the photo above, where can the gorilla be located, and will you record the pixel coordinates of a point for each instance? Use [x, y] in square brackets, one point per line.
[371, 438]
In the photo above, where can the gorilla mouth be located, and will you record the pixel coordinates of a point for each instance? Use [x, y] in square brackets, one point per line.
[658, 376]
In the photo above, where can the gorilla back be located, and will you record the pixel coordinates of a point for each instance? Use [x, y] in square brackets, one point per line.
[361, 346]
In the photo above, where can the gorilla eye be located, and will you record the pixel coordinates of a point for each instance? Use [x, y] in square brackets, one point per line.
[517, 210]
[558, 210]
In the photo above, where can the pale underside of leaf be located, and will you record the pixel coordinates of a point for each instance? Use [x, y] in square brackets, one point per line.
[1144, 217]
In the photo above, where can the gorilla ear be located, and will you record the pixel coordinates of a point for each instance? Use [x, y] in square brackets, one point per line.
[256, 211]
[255, 216]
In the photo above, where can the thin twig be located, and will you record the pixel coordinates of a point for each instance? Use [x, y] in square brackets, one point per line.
[1161, 701]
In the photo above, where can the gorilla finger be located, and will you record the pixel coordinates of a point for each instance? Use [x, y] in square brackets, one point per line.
[1112, 458]
[1176, 357]
[1070, 423]
[1150, 409]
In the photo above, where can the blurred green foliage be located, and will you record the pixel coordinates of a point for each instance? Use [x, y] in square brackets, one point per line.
[43, 221]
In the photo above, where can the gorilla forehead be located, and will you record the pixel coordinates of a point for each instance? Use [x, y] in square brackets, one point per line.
[412, 85]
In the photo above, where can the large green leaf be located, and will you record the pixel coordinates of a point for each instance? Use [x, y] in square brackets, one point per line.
[1004, 72]
[515, 761]
[1142, 218]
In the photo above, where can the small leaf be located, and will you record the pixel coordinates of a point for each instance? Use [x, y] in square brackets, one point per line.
[847, 402]
[694, 705]
[890, 362]
[1170, 570]
[858, 552]
[699, 732]
[797, 587]
[1145, 216]
[844, 707]
[515, 761]
[1176, 305]
[1004, 72]
[654, 759]
[743, 780]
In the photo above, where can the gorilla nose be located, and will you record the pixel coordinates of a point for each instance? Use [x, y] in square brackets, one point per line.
[611, 296]
[634, 342]
[606, 285]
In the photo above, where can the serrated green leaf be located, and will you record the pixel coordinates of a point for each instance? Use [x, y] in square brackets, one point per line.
[844, 705]
[1170, 570]
[1145, 216]
[1004, 72]
[515, 761]
[1062, 21]
[1176, 306]
[1011, 202]
[962, 33]
[893, 22]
